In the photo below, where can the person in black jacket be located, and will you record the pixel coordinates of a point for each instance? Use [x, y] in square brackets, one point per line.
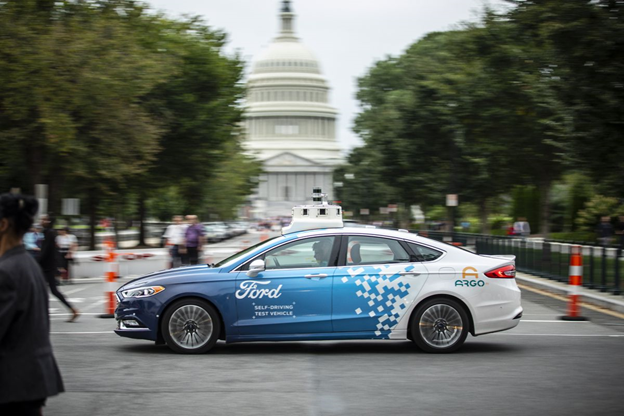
[48, 259]
[28, 370]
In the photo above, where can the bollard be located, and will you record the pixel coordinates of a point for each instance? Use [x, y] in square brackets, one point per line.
[575, 283]
[111, 274]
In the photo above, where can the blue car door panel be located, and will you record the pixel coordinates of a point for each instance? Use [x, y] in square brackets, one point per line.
[293, 295]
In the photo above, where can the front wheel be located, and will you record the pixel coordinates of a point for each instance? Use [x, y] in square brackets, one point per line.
[440, 325]
[191, 326]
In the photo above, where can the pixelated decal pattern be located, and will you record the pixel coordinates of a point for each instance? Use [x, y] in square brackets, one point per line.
[384, 291]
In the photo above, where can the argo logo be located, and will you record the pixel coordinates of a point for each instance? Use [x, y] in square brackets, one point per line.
[470, 272]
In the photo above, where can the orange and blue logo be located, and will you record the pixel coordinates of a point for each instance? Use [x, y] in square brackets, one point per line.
[468, 273]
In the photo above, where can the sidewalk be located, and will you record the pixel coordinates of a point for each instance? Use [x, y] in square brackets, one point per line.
[590, 296]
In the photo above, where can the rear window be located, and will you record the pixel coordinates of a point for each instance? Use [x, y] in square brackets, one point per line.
[424, 253]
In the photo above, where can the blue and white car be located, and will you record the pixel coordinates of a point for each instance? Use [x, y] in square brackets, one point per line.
[334, 283]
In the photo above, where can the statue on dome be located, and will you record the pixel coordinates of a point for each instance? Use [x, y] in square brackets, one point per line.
[286, 7]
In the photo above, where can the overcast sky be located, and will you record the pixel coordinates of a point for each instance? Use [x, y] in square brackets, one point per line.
[347, 36]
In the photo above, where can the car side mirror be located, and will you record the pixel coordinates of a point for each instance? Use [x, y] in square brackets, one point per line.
[255, 267]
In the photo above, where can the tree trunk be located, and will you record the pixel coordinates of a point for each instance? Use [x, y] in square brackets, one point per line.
[484, 214]
[141, 219]
[55, 190]
[544, 189]
[92, 217]
[34, 160]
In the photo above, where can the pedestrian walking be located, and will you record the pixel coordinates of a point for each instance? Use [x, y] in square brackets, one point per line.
[194, 239]
[67, 245]
[32, 241]
[48, 262]
[28, 370]
[604, 231]
[174, 236]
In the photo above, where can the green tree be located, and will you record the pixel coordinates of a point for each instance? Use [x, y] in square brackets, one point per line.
[578, 47]
[597, 207]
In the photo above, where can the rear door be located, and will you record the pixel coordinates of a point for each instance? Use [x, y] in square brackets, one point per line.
[374, 285]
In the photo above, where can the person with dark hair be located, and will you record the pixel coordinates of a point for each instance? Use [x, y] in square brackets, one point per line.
[194, 239]
[67, 245]
[604, 230]
[322, 251]
[28, 370]
[48, 260]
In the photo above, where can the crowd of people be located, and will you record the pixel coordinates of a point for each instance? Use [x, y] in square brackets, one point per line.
[185, 239]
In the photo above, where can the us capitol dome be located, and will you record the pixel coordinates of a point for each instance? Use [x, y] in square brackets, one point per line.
[290, 125]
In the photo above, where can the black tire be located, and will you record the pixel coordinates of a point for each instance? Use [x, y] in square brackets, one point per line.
[440, 326]
[191, 326]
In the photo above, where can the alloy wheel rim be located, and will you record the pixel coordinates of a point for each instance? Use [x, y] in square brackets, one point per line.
[441, 326]
[190, 326]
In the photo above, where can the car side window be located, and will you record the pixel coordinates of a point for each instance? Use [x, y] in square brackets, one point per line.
[311, 252]
[424, 253]
[375, 250]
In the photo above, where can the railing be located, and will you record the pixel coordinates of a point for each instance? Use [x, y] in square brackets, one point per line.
[602, 265]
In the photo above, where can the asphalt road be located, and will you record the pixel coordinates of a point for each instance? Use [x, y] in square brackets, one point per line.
[543, 367]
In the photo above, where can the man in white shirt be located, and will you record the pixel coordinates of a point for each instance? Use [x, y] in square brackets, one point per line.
[175, 240]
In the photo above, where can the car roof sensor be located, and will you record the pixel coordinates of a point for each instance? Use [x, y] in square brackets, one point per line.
[318, 215]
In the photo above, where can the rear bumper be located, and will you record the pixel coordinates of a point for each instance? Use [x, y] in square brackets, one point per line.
[496, 325]
[498, 310]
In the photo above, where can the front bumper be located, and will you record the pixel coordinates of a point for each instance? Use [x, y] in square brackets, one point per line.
[138, 318]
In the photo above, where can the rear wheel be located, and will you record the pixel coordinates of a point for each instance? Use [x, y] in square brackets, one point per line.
[191, 326]
[440, 325]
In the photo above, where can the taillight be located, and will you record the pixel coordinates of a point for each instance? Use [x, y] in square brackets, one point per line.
[505, 272]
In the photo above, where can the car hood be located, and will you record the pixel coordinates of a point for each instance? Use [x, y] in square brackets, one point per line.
[179, 275]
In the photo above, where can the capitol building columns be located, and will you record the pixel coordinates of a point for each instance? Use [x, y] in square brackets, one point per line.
[290, 125]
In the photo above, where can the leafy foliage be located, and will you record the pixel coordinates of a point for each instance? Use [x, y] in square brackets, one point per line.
[106, 100]
[518, 99]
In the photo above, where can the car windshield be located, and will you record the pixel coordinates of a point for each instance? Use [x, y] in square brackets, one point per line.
[235, 257]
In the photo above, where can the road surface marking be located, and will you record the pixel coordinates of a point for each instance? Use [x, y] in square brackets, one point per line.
[565, 335]
[554, 321]
[81, 313]
[69, 292]
[93, 305]
[565, 299]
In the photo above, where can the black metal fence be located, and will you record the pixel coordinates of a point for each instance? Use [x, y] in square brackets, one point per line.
[602, 265]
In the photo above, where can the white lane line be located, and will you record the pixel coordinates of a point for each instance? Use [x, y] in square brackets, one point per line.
[81, 333]
[81, 313]
[93, 305]
[554, 321]
[565, 335]
[69, 292]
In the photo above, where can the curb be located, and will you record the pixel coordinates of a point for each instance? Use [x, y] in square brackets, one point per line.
[589, 296]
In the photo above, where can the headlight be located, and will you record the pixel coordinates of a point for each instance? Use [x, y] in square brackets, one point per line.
[142, 292]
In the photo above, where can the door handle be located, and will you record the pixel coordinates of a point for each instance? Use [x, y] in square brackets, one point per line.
[313, 276]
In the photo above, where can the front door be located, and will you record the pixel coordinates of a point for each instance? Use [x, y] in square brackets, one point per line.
[293, 295]
[376, 285]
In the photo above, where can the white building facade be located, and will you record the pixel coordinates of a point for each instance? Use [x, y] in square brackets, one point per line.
[289, 124]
